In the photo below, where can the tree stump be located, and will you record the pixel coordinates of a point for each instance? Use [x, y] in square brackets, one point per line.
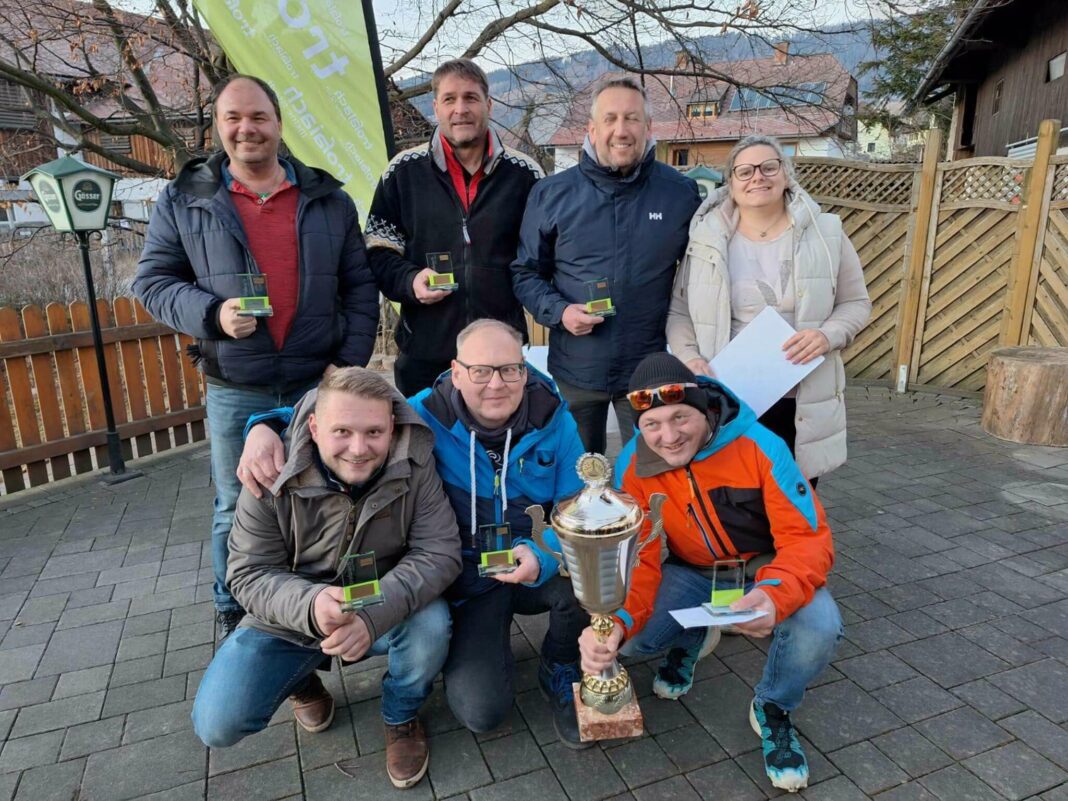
[1026, 397]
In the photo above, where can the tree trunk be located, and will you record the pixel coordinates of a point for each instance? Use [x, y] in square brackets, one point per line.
[1026, 398]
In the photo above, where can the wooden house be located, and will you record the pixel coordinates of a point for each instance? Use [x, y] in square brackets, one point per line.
[1005, 64]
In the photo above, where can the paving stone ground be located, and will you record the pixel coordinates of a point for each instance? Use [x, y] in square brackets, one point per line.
[951, 684]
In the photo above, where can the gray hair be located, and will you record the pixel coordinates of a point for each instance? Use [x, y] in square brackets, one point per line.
[622, 82]
[753, 141]
[487, 322]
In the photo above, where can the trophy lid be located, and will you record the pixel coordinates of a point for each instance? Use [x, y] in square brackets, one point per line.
[597, 509]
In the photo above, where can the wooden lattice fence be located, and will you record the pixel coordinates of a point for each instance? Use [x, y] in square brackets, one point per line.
[959, 257]
[1048, 324]
[51, 412]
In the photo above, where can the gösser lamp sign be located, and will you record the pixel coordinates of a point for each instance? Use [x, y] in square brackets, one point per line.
[75, 195]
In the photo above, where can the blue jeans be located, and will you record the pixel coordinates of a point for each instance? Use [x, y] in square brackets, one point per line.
[228, 409]
[801, 646]
[253, 672]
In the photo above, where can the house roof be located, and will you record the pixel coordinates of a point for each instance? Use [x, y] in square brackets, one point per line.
[963, 39]
[792, 89]
[70, 41]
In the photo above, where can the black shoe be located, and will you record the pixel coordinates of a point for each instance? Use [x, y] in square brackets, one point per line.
[226, 622]
[556, 682]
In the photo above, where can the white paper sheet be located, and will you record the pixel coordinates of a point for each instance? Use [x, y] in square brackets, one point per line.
[699, 617]
[754, 365]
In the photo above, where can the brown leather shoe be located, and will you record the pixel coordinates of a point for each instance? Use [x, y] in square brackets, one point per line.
[313, 705]
[407, 753]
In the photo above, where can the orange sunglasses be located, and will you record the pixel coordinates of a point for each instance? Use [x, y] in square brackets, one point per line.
[642, 399]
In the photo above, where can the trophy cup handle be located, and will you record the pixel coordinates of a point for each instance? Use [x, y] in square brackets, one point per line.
[656, 530]
[537, 515]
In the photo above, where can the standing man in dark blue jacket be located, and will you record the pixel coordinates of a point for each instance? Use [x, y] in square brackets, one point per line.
[618, 215]
[246, 212]
[454, 204]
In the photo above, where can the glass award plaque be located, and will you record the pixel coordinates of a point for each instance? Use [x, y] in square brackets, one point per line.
[599, 298]
[728, 585]
[441, 279]
[359, 581]
[495, 543]
[254, 301]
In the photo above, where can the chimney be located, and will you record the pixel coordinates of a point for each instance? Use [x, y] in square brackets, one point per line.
[682, 60]
[782, 52]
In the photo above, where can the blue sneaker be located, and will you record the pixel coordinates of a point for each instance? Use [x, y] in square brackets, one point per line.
[784, 759]
[674, 676]
[556, 682]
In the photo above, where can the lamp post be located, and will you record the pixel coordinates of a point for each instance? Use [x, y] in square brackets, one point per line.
[77, 197]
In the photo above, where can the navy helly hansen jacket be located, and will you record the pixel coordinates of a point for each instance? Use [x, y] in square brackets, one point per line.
[196, 250]
[590, 222]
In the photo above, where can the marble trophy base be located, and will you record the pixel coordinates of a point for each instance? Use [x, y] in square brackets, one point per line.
[594, 725]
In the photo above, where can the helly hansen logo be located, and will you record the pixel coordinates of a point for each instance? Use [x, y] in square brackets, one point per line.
[656, 215]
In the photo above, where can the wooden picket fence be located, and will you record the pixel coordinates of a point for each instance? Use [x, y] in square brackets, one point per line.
[959, 257]
[51, 411]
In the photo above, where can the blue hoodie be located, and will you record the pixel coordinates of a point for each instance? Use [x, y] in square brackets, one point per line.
[539, 468]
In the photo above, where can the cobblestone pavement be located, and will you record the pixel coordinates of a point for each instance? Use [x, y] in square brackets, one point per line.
[952, 576]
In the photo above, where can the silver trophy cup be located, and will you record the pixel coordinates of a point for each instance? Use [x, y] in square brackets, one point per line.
[598, 530]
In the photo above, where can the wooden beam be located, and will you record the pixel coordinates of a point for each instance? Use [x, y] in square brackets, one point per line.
[50, 344]
[1031, 226]
[91, 439]
[912, 282]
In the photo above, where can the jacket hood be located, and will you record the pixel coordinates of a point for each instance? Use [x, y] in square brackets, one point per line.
[543, 402]
[203, 177]
[589, 164]
[490, 160]
[803, 210]
[729, 416]
[412, 441]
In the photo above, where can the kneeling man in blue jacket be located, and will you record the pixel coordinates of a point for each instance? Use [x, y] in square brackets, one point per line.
[503, 440]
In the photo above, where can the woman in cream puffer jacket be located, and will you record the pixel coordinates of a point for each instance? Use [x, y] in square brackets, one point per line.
[758, 241]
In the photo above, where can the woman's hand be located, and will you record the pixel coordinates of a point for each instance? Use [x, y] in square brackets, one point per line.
[700, 367]
[806, 345]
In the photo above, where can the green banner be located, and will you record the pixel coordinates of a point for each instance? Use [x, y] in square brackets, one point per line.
[316, 55]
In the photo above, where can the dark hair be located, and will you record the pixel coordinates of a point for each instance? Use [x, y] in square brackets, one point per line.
[237, 76]
[463, 68]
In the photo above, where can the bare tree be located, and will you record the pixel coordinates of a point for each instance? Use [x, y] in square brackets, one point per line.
[94, 75]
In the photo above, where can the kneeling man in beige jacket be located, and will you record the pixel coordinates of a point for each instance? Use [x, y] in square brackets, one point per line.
[359, 479]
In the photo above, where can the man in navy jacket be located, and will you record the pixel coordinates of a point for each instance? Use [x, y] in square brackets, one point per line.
[248, 211]
[618, 215]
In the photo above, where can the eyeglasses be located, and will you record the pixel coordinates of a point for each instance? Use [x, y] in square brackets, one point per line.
[483, 373]
[642, 399]
[769, 169]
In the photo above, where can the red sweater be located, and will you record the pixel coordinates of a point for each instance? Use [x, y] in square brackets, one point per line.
[271, 228]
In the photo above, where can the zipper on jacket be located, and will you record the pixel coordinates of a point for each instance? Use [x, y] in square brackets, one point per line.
[467, 265]
[498, 514]
[701, 528]
[704, 511]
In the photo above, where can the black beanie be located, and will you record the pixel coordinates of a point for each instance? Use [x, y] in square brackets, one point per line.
[658, 369]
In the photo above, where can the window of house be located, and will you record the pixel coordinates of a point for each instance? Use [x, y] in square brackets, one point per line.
[1055, 67]
[998, 89]
[790, 149]
[871, 147]
[696, 110]
[682, 157]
